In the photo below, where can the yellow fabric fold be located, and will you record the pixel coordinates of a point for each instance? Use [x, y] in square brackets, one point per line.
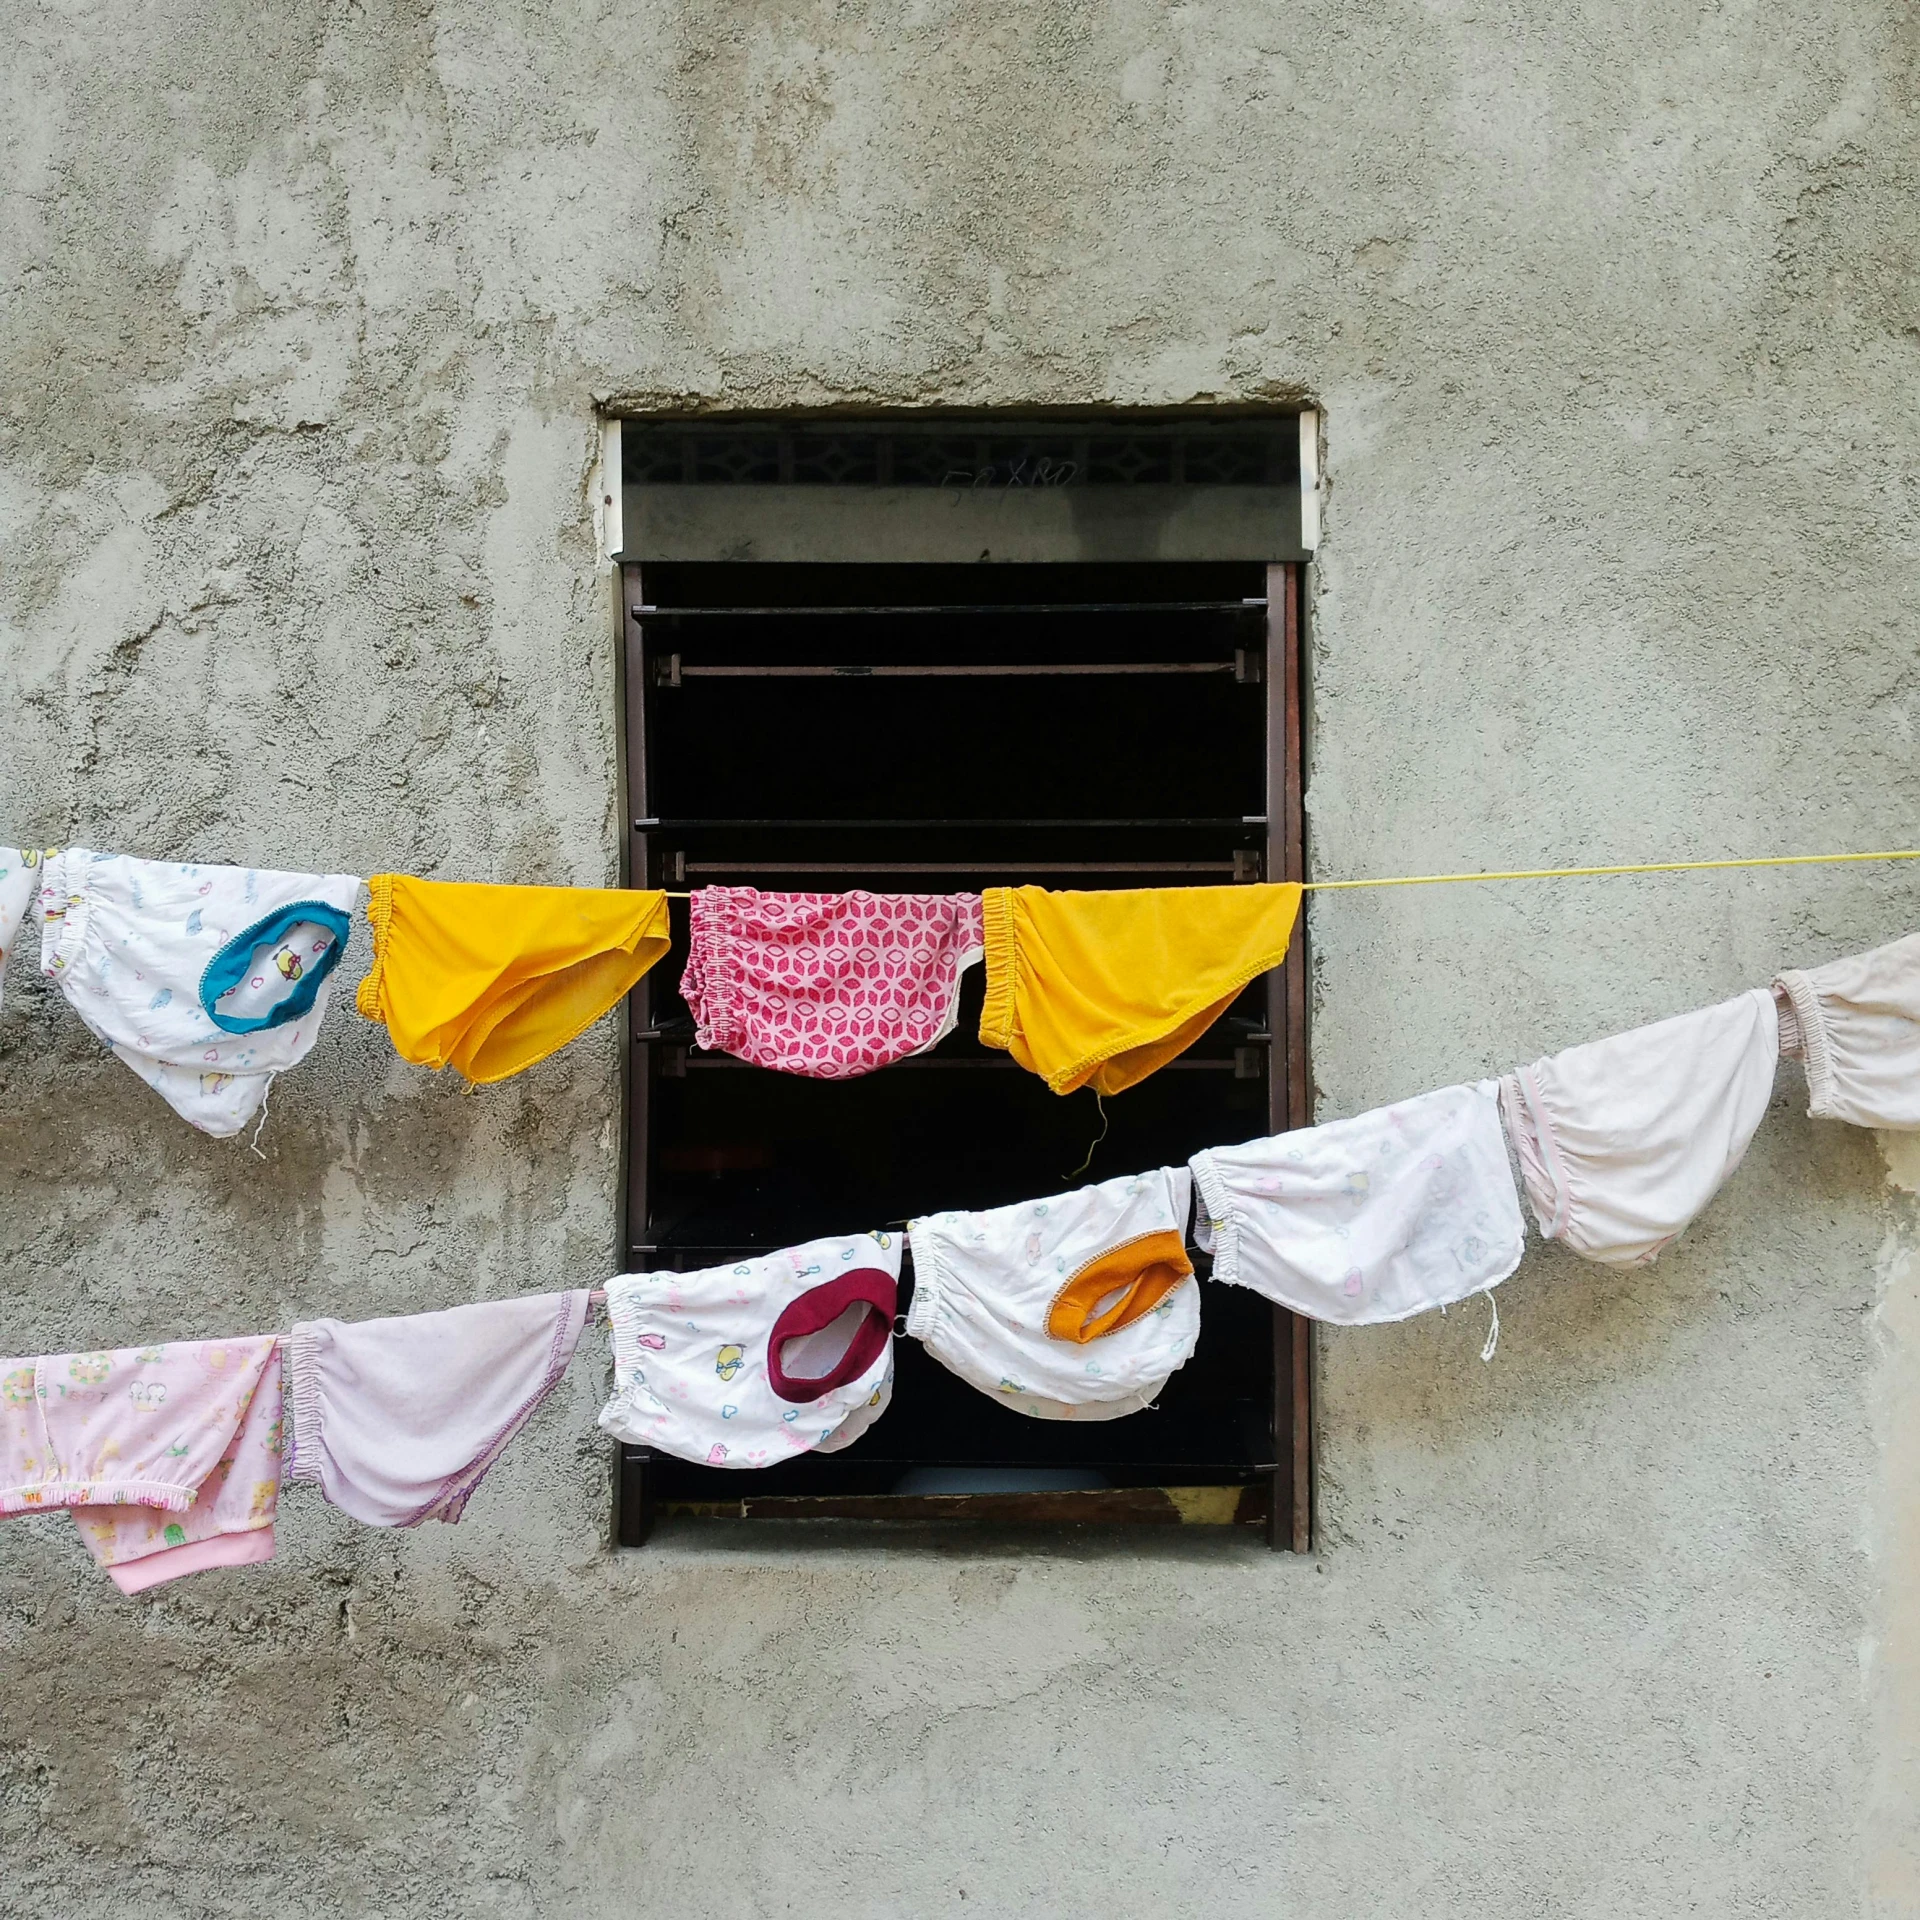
[489, 979]
[1102, 988]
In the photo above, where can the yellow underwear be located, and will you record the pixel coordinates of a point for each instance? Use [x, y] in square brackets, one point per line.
[490, 979]
[1102, 988]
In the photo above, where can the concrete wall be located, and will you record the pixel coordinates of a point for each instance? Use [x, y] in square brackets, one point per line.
[304, 313]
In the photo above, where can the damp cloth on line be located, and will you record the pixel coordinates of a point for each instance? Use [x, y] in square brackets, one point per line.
[754, 1363]
[830, 985]
[1855, 1023]
[1100, 989]
[168, 1456]
[1622, 1141]
[398, 1420]
[1077, 1307]
[231, 1521]
[1374, 1218]
[490, 979]
[206, 980]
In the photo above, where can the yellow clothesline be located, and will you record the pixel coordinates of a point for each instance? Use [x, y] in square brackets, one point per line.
[1588, 873]
[1582, 873]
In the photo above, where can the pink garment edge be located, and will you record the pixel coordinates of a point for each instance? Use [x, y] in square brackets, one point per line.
[55, 1494]
[700, 986]
[246, 1549]
[1546, 1155]
[451, 1496]
[1814, 1054]
[970, 928]
[303, 1403]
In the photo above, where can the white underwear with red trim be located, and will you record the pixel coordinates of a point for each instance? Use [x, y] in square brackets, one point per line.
[752, 1364]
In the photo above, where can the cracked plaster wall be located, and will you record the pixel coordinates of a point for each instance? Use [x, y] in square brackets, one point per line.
[304, 314]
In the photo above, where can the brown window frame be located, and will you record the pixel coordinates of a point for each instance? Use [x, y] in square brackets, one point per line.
[1287, 1509]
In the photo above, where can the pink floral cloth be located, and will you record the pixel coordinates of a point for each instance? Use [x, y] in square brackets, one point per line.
[168, 1456]
[830, 985]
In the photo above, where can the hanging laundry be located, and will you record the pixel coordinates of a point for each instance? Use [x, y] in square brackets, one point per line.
[751, 1364]
[1855, 1023]
[230, 1523]
[1075, 1308]
[19, 882]
[207, 981]
[1374, 1218]
[398, 1420]
[491, 979]
[168, 1456]
[1101, 989]
[830, 985]
[1622, 1141]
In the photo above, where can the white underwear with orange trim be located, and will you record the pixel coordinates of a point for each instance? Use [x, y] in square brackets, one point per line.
[1075, 1308]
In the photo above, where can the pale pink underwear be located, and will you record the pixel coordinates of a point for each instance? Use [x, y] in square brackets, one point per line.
[830, 985]
[398, 1420]
[1622, 1141]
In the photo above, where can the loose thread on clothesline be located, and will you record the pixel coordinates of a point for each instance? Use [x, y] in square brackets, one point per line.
[1099, 1100]
[1587, 873]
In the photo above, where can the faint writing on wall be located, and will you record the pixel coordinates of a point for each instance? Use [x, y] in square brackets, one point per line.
[1014, 473]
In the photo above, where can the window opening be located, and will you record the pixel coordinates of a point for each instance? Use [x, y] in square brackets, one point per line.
[912, 726]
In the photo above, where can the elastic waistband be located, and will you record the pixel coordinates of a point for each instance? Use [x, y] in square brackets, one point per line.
[709, 982]
[64, 910]
[1216, 1206]
[300, 1352]
[368, 997]
[929, 1277]
[1529, 1133]
[1803, 1003]
[52, 1494]
[998, 1022]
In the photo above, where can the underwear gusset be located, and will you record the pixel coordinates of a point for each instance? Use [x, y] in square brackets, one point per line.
[63, 936]
[927, 1313]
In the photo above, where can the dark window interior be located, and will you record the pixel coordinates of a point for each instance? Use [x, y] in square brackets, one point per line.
[939, 728]
[1078, 453]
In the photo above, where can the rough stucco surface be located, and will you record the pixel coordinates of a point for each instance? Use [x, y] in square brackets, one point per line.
[304, 314]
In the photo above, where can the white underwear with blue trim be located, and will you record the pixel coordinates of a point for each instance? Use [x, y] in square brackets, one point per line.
[206, 981]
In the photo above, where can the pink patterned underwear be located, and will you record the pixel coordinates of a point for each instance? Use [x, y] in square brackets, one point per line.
[830, 985]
